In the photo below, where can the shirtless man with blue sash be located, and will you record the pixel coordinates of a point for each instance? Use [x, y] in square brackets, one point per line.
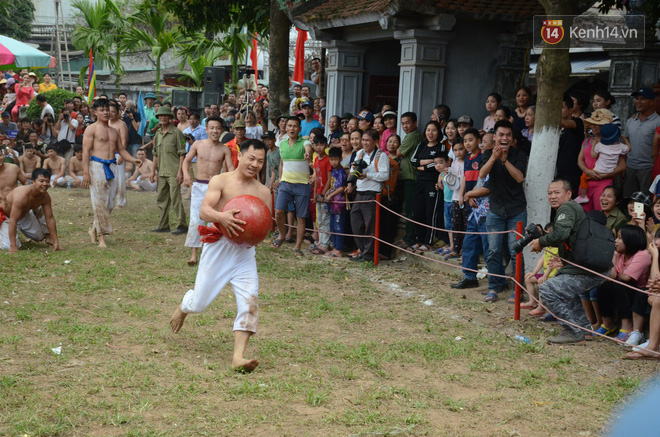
[100, 143]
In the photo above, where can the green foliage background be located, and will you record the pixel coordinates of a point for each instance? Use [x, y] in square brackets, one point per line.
[56, 99]
[16, 18]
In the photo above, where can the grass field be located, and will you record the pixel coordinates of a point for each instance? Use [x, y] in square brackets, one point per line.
[345, 350]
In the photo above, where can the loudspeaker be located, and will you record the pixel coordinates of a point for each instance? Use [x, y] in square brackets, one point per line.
[183, 98]
[214, 80]
[210, 98]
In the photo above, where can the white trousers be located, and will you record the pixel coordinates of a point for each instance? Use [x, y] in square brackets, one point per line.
[33, 226]
[222, 262]
[103, 193]
[146, 184]
[198, 191]
[120, 176]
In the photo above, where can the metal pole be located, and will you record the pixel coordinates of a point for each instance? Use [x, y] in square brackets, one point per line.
[377, 230]
[519, 258]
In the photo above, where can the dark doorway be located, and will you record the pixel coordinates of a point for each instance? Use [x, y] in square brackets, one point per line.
[382, 90]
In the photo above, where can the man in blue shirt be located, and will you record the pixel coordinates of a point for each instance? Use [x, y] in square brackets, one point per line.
[309, 122]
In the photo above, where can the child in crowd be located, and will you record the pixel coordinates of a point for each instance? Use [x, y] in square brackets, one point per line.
[470, 177]
[631, 265]
[448, 194]
[606, 152]
[530, 118]
[336, 200]
[458, 215]
[493, 101]
[534, 279]
[322, 170]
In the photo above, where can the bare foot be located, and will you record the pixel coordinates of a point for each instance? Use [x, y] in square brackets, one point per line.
[538, 311]
[642, 354]
[192, 262]
[92, 234]
[102, 242]
[244, 366]
[176, 322]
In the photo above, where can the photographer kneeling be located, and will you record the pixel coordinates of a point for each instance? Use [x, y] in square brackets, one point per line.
[371, 168]
[561, 293]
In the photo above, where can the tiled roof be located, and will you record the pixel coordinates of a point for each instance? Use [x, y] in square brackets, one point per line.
[318, 10]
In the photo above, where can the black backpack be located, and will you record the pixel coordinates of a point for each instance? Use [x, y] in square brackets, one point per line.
[594, 245]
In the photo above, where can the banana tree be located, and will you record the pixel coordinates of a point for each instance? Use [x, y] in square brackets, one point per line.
[151, 28]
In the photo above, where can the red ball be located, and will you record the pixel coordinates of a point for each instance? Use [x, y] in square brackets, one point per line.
[256, 215]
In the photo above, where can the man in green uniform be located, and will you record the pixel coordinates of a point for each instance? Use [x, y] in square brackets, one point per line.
[169, 152]
[408, 173]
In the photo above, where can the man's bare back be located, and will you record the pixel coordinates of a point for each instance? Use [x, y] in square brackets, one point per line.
[29, 164]
[10, 176]
[24, 199]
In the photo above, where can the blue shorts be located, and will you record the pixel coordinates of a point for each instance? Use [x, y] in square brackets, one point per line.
[591, 295]
[448, 216]
[297, 193]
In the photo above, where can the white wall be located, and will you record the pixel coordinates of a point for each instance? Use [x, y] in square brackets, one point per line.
[44, 11]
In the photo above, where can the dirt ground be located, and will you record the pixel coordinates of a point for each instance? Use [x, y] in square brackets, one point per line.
[345, 350]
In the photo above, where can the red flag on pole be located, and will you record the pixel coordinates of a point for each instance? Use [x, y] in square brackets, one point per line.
[253, 57]
[299, 70]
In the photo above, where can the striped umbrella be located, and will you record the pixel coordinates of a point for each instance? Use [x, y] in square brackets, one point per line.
[15, 54]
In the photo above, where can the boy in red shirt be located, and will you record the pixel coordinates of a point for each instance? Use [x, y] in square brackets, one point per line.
[322, 169]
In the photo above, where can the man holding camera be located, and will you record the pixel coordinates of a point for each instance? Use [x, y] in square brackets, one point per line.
[371, 168]
[66, 130]
[561, 293]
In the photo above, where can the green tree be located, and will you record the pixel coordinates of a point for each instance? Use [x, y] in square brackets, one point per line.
[152, 29]
[103, 33]
[198, 62]
[16, 18]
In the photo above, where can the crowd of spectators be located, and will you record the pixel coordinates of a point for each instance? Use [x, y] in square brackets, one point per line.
[435, 169]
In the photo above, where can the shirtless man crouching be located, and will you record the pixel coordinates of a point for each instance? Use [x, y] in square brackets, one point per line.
[140, 179]
[222, 261]
[211, 155]
[100, 143]
[76, 167]
[29, 209]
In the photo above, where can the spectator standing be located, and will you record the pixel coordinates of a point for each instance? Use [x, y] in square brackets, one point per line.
[507, 167]
[309, 122]
[47, 85]
[149, 110]
[570, 144]
[295, 154]
[66, 128]
[409, 145]
[640, 129]
[334, 195]
[169, 152]
[24, 93]
[132, 120]
[389, 120]
[523, 100]
[368, 185]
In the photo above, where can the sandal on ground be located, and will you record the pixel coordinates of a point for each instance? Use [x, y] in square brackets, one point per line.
[318, 251]
[277, 243]
[331, 255]
[443, 251]
[288, 240]
[528, 305]
[452, 255]
[421, 249]
[536, 312]
[298, 252]
[491, 297]
[512, 298]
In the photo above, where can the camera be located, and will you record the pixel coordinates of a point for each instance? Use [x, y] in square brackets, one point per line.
[356, 171]
[65, 116]
[532, 232]
[189, 138]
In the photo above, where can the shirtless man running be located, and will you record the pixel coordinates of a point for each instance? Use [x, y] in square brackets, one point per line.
[29, 162]
[122, 129]
[100, 143]
[76, 167]
[140, 179]
[222, 261]
[212, 156]
[57, 167]
[29, 210]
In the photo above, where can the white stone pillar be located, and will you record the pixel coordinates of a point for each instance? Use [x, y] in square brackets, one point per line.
[345, 72]
[421, 70]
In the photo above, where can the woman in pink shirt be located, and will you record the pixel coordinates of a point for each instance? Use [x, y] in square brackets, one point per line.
[24, 93]
[632, 263]
[389, 120]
